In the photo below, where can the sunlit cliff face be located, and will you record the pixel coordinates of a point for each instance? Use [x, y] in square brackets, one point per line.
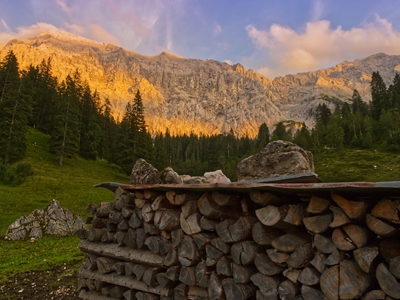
[199, 96]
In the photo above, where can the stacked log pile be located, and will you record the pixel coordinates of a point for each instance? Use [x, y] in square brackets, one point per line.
[179, 244]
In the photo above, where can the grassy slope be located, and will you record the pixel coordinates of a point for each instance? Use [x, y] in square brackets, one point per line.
[357, 165]
[71, 184]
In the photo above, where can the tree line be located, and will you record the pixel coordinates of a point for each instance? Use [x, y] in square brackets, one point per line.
[79, 125]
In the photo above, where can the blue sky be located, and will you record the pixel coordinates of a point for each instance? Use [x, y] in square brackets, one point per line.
[273, 37]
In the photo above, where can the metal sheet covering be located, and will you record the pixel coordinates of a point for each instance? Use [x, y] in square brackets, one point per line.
[299, 185]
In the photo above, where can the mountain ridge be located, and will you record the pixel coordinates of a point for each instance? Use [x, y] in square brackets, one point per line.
[201, 96]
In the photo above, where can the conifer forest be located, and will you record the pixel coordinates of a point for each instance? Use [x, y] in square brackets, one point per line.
[81, 124]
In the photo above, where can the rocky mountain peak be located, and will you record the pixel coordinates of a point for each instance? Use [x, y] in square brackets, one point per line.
[200, 96]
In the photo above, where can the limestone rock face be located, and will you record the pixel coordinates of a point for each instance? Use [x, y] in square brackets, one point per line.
[144, 173]
[200, 96]
[53, 220]
[278, 158]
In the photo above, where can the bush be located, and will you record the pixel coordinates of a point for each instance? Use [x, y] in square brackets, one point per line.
[14, 175]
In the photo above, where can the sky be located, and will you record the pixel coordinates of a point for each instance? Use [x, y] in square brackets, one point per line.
[272, 37]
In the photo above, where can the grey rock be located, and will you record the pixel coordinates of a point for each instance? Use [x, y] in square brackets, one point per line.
[278, 158]
[144, 173]
[194, 179]
[53, 220]
[216, 177]
[169, 176]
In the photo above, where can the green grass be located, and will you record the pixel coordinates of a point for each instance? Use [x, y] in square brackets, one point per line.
[357, 165]
[71, 184]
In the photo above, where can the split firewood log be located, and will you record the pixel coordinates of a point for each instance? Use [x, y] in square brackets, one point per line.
[353, 209]
[339, 217]
[264, 235]
[318, 205]
[365, 257]
[387, 281]
[243, 253]
[350, 237]
[238, 291]
[381, 227]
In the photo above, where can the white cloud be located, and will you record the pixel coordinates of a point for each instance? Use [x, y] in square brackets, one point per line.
[100, 34]
[217, 29]
[229, 62]
[5, 25]
[318, 9]
[26, 32]
[64, 7]
[319, 46]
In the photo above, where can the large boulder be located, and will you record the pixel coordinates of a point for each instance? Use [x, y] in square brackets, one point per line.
[144, 173]
[216, 177]
[278, 158]
[169, 176]
[52, 220]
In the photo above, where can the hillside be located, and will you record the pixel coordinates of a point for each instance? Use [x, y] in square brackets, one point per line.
[200, 96]
[71, 184]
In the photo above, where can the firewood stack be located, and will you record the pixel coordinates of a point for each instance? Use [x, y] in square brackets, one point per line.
[227, 244]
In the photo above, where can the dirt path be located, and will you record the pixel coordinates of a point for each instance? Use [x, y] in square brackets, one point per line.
[57, 283]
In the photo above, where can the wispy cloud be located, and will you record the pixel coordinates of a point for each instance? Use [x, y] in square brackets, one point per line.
[102, 35]
[217, 29]
[64, 7]
[288, 51]
[26, 32]
[5, 25]
[317, 11]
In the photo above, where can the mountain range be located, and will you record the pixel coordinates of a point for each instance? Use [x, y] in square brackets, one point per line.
[200, 96]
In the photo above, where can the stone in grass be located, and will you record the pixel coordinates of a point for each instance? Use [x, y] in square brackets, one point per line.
[53, 220]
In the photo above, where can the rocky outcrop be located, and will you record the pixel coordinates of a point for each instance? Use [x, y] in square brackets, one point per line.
[53, 220]
[200, 96]
[144, 173]
[278, 158]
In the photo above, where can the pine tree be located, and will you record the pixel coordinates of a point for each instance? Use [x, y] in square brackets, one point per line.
[65, 135]
[380, 96]
[263, 137]
[15, 109]
[357, 104]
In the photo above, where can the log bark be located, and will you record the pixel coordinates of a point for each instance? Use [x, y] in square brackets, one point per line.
[125, 281]
[149, 276]
[122, 253]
